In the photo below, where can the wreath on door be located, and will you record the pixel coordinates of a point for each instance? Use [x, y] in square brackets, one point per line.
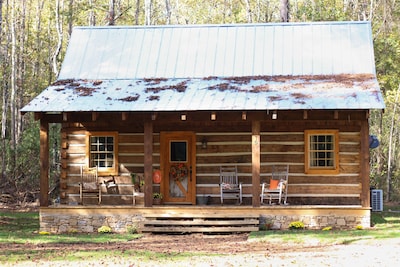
[178, 172]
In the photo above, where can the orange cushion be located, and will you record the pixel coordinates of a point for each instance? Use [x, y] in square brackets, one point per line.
[273, 184]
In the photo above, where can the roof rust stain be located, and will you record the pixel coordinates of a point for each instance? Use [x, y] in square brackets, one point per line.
[224, 87]
[179, 87]
[62, 82]
[300, 96]
[275, 98]
[154, 81]
[234, 84]
[130, 98]
[77, 87]
[153, 97]
[84, 91]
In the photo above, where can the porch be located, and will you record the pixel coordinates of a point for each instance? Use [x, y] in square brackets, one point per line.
[201, 218]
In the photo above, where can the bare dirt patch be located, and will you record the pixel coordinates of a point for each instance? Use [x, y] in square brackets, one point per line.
[228, 250]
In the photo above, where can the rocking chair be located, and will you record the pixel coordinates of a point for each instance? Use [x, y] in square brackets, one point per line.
[89, 186]
[278, 186]
[230, 188]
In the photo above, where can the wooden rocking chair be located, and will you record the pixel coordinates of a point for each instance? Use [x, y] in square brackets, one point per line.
[278, 186]
[230, 188]
[89, 186]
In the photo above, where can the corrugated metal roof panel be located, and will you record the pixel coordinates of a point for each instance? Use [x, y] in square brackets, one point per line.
[230, 93]
[216, 67]
[197, 51]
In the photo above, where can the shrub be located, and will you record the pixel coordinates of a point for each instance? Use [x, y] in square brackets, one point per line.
[73, 231]
[359, 227]
[43, 233]
[296, 225]
[104, 230]
[132, 229]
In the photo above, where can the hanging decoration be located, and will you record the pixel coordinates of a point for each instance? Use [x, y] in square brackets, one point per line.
[156, 176]
[178, 172]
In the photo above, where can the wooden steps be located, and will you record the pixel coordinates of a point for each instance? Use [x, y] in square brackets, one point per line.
[201, 224]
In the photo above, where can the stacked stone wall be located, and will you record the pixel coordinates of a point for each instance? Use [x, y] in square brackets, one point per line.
[121, 223]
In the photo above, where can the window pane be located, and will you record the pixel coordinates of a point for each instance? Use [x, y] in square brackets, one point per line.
[321, 150]
[102, 151]
[178, 151]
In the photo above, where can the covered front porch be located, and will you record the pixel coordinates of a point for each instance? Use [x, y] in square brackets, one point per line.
[200, 218]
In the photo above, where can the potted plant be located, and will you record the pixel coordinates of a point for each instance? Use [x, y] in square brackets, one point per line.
[157, 198]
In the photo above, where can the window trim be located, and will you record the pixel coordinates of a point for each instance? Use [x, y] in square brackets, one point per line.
[321, 170]
[103, 170]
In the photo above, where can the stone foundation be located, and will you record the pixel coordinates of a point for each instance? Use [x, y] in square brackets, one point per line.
[81, 219]
[277, 222]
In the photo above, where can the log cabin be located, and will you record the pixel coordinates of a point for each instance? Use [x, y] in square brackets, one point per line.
[134, 101]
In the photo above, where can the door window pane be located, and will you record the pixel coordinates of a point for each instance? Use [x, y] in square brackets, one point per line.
[178, 151]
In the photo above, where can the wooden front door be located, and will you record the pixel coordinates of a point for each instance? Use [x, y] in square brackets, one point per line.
[178, 166]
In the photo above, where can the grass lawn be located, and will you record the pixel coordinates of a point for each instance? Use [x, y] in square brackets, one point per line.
[385, 224]
[22, 230]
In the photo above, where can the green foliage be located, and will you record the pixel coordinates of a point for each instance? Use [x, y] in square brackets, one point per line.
[359, 227]
[104, 230]
[23, 227]
[319, 10]
[132, 229]
[157, 195]
[39, 37]
[296, 225]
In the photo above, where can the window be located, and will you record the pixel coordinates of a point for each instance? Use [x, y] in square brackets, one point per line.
[321, 151]
[103, 151]
[178, 151]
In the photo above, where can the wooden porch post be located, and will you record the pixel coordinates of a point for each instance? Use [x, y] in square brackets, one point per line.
[44, 163]
[255, 163]
[148, 164]
[364, 164]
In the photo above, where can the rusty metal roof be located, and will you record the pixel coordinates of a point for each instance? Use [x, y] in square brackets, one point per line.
[216, 67]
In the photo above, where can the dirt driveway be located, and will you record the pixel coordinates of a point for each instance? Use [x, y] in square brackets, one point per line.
[231, 250]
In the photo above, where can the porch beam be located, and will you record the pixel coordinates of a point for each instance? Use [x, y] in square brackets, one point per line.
[255, 163]
[364, 164]
[44, 163]
[148, 163]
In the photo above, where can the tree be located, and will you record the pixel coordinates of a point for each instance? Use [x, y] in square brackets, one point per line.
[32, 45]
[284, 10]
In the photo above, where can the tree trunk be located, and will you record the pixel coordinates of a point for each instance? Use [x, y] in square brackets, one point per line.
[13, 77]
[390, 149]
[111, 13]
[60, 37]
[284, 10]
[248, 11]
[70, 16]
[137, 12]
[92, 15]
[3, 106]
[147, 11]
[168, 12]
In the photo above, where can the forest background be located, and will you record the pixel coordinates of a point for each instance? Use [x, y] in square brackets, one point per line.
[34, 35]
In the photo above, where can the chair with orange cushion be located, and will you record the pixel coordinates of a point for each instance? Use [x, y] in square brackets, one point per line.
[277, 187]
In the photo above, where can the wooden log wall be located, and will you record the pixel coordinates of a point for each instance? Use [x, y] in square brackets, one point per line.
[281, 143]
[280, 148]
